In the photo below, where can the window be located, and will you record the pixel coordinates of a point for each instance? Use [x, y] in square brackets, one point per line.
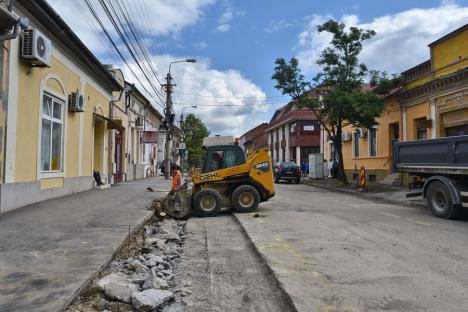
[293, 128]
[372, 178]
[421, 129]
[355, 144]
[309, 127]
[217, 160]
[272, 140]
[372, 142]
[284, 154]
[283, 133]
[226, 158]
[51, 134]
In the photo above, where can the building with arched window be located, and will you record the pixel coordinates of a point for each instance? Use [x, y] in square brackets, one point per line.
[58, 105]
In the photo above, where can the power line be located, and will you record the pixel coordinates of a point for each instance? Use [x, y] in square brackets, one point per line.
[116, 23]
[229, 97]
[96, 17]
[138, 38]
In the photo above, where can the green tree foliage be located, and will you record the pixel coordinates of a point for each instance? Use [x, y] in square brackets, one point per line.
[337, 94]
[195, 130]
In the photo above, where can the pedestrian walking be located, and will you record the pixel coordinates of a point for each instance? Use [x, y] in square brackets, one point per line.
[335, 169]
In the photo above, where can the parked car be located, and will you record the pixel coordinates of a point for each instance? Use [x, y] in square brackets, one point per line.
[287, 171]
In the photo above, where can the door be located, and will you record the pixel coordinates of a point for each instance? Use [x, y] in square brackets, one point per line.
[118, 176]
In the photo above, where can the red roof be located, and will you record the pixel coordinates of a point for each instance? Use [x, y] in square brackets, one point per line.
[289, 113]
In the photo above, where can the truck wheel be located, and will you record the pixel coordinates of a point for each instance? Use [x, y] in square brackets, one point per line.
[245, 198]
[440, 201]
[207, 203]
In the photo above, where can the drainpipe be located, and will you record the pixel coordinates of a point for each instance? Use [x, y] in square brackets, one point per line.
[22, 22]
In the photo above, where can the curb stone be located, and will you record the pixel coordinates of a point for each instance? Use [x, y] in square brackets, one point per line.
[368, 196]
[268, 265]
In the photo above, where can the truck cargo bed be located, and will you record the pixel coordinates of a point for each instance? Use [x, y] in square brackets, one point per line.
[434, 156]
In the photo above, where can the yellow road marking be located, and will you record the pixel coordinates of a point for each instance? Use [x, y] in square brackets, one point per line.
[418, 222]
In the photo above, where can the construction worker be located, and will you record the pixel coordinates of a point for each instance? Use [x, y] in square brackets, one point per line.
[177, 179]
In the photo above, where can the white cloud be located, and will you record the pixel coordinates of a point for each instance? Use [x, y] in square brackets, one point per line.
[401, 40]
[153, 18]
[225, 20]
[223, 27]
[200, 45]
[278, 25]
[218, 88]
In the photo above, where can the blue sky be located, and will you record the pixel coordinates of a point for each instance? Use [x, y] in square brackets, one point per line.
[237, 42]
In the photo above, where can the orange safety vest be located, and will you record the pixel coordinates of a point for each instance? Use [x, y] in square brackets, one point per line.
[175, 181]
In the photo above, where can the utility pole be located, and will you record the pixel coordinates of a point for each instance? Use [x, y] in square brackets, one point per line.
[169, 116]
[169, 120]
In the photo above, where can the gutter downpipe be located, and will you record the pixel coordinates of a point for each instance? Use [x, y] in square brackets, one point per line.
[21, 23]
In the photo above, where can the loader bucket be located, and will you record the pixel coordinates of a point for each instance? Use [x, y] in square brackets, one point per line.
[178, 205]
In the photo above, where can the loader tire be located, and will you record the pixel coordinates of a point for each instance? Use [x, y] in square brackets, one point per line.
[245, 198]
[207, 203]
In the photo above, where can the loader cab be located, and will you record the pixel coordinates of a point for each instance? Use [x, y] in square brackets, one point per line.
[222, 156]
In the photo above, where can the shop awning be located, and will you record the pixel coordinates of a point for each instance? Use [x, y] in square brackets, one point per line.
[115, 124]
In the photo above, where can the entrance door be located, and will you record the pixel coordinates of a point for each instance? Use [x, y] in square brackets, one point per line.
[118, 176]
[98, 146]
[394, 136]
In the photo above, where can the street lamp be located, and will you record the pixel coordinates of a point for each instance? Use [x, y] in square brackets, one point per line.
[169, 116]
[181, 122]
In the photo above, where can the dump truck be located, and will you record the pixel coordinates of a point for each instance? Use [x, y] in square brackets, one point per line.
[440, 167]
[228, 179]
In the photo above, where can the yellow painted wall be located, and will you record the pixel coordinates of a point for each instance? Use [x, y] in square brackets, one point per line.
[414, 112]
[28, 123]
[418, 82]
[391, 114]
[51, 183]
[450, 51]
[94, 99]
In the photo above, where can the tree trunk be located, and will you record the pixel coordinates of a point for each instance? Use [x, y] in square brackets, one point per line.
[338, 146]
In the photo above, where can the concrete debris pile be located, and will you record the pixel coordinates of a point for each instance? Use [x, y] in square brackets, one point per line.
[144, 281]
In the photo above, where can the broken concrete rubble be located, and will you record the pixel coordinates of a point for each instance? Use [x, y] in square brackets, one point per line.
[144, 278]
[117, 286]
[150, 299]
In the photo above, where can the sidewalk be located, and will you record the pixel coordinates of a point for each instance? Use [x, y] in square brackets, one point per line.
[48, 250]
[386, 193]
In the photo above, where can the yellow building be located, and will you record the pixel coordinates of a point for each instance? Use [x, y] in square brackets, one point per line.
[432, 103]
[58, 121]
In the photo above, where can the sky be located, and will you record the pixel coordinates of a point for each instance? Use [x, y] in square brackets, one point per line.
[237, 42]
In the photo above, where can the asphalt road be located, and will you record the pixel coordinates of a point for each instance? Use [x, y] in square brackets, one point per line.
[338, 252]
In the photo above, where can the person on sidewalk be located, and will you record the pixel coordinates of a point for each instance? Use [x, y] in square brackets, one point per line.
[177, 179]
[335, 169]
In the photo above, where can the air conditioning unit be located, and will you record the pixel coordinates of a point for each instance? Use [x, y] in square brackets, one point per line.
[363, 133]
[36, 48]
[76, 102]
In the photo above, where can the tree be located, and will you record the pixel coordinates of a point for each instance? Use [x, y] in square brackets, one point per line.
[194, 130]
[336, 94]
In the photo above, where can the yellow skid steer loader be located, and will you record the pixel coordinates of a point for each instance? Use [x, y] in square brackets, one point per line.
[227, 179]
